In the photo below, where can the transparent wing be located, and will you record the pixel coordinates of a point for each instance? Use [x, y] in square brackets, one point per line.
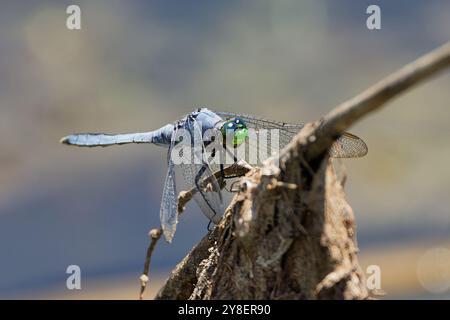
[346, 146]
[198, 174]
[169, 208]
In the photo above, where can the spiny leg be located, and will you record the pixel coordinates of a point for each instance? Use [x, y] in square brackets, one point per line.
[197, 179]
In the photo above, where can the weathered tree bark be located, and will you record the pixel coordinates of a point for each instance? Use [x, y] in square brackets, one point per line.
[289, 233]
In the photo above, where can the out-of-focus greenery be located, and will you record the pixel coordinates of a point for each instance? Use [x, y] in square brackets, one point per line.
[137, 65]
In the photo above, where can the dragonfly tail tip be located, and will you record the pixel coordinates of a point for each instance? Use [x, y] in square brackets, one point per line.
[65, 140]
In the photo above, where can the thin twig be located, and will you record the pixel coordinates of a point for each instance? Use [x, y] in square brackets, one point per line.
[316, 140]
[239, 168]
[155, 235]
[339, 119]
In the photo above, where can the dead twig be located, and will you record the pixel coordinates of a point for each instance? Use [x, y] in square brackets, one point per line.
[239, 168]
[339, 119]
[155, 235]
[322, 262]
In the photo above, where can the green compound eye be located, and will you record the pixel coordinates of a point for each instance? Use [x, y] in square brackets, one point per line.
[237, 128]
[239, 136]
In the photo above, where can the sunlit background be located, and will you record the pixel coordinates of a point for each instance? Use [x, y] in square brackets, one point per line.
[137, 65]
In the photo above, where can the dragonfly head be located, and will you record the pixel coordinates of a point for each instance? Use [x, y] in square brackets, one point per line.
[234, 130]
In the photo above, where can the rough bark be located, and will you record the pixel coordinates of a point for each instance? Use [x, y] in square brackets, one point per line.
[289, 233]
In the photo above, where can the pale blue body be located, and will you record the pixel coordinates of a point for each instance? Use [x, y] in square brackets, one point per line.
[161, 137]
[195, 122]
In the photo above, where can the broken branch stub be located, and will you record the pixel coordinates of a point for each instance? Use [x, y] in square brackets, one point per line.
[277, 241]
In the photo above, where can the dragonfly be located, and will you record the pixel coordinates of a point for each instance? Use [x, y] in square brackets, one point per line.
[196, 142]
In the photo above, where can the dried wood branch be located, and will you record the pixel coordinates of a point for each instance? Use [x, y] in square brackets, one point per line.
[339, 119]
[239, 168]
[155, 235]
[280, 242]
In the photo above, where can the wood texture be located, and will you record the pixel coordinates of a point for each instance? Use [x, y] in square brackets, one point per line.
[290, 233]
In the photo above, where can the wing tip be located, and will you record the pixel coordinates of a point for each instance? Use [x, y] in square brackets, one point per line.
[366, 151]
[365, 148]
[358, 148]
[168, 232]
[168, 236]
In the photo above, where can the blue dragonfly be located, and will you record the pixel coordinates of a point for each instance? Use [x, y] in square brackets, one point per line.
[197, 141]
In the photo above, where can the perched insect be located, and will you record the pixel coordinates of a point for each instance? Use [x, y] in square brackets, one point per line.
[206, 135]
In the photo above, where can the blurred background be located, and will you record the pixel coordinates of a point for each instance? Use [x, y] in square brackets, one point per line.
[137, 65]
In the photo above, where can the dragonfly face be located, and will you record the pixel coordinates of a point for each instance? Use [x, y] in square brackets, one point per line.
[235, 130]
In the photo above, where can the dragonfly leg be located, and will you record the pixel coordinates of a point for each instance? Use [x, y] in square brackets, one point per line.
[222, 172]
[197, 185]
[199, 175]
